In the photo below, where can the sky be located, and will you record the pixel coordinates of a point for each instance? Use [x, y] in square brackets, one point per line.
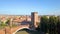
[25, 7]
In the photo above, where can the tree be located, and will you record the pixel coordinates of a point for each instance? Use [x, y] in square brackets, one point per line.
[7, 21]
[44, 24]
[52, 24]
[49, 25]
[58, 25]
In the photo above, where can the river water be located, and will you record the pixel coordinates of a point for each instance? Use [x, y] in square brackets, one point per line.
[25, 31]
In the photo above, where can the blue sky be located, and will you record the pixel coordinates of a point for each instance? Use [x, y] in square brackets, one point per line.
[25, 7]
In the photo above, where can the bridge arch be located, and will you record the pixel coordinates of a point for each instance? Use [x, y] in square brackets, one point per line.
[21, 29]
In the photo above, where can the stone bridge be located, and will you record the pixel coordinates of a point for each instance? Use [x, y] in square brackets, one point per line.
[13, 30]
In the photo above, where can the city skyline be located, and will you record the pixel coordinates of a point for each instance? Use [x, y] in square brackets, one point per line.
[25, 7]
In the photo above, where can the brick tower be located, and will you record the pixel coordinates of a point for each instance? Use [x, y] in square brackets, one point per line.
[34, 19]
